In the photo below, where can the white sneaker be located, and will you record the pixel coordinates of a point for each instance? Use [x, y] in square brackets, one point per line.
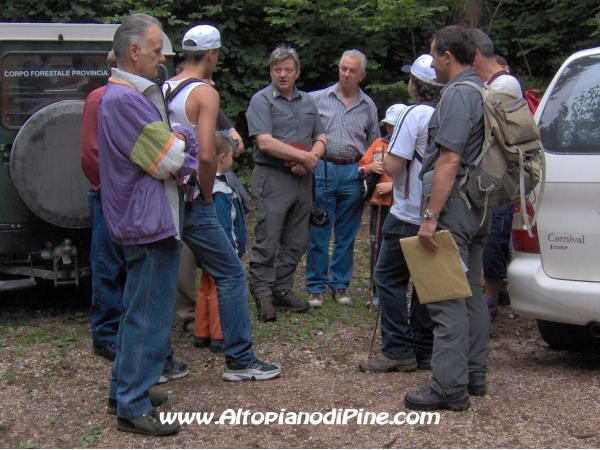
[316, 300]
[341, 296]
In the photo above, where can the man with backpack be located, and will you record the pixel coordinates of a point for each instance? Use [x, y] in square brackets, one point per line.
[456, 135]
[497, 251]
[195, 105]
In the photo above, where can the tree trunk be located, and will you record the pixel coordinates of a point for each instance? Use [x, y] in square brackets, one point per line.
[469, 14]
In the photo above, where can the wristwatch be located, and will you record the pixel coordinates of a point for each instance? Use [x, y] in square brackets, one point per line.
[428, 215]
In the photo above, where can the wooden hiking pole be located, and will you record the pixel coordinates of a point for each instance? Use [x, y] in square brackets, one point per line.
[376, 255]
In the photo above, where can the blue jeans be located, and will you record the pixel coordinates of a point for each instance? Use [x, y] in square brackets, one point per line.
[399, 340]
[143, 342]
[345, 207]
[108, 277]
[205, 237]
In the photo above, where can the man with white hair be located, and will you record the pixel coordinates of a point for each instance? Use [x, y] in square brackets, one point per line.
[140, 159]
[351, 124]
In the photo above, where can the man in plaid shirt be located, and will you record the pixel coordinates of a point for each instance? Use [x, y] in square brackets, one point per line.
[351, 124]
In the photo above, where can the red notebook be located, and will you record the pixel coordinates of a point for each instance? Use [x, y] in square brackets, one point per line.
[299, 147]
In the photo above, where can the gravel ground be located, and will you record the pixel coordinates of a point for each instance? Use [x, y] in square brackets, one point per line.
[53, 389]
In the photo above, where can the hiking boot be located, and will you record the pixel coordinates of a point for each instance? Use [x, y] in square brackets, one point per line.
[257, 370]
[179, 370]
[341, 297]
[216, 346]
[265, 310]
[427, 399]
[316, 300]
[157, 398]
[106, 351]
[188, 326]
[147, 424]
[477, 385]
[382, 364]
[286, 300]
[374, 303]
[424, 364]
[201, 342]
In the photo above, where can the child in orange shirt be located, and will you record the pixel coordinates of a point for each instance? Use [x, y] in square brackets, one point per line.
[381, 199]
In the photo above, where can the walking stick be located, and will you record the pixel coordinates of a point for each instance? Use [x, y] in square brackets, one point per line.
[376, 254]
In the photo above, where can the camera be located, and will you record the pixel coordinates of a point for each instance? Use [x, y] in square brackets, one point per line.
[319, 217]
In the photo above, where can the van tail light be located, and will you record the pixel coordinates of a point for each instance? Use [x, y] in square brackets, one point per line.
[521, 240]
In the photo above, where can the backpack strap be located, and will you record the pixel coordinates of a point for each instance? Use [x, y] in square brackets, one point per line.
[415, 156]
[463, 180]
[497, 75]
[171, 93]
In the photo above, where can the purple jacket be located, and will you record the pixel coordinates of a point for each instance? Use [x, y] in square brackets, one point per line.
[139, 160]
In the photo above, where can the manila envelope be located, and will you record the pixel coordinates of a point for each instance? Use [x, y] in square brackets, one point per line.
[438, 276]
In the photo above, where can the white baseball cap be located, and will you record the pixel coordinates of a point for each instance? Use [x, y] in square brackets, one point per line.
[392, 114]
[202, 37]
[421, 69]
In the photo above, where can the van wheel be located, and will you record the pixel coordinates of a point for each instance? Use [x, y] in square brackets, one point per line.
[564, 336]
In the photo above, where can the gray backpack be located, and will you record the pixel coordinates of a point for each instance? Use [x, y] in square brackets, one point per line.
[510, 164]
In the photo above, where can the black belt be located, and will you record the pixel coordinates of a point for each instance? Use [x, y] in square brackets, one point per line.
[343, 161]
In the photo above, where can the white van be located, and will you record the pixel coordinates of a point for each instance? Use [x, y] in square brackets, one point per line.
[555, 275]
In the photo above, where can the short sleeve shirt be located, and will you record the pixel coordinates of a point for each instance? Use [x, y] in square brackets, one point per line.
[508, 84]
[352, 130]
[286, 120]
[410, 137]
[457, 123]
[223, 123]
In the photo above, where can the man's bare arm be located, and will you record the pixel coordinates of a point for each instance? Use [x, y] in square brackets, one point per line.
[393, 165]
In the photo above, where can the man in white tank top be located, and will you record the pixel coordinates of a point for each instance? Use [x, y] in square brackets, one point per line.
[196, 106]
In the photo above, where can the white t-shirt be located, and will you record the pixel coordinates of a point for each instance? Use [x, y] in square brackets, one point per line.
[410, 136]
[508, 84]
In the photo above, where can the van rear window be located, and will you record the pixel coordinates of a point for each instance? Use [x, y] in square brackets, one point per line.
[32, 80]
[570, 121]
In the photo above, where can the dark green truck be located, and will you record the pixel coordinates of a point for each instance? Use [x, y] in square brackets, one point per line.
[47, 72]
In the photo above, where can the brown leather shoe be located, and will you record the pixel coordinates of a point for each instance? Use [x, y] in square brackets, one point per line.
[265, 310]
[286, 300]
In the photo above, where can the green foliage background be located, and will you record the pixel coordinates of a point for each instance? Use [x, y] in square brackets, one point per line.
[534, 35]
